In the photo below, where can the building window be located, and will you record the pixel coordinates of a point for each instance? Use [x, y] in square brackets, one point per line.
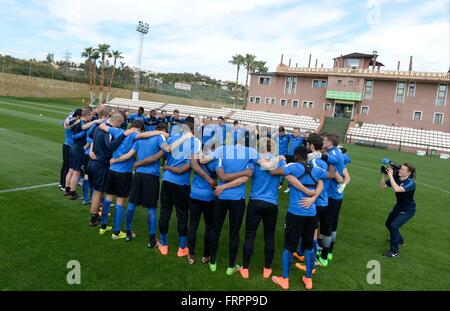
[339, 82]
[412, 89]
[257, 100]
[319, 84]
[267, 100]
[327, 107]
[417, 115]
[400, 92]
[365, 110]
[307, 104]
[441, 95]
[252, 99]
[273, 101]
[264, 80]
[368, 89]
[438, 118]
[282, 102]
[350, 83]
[295, 104]
[352, 62]
[291, 85]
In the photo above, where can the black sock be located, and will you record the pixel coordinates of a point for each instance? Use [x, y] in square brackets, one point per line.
[331, 247]
[68, 189]
[116, 232]
[103, 227]
[128, 232]
[152, 238]
[94, 218]
[324, 253]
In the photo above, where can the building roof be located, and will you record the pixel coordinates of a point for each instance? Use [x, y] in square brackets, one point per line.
[356, 55]
[378, 64]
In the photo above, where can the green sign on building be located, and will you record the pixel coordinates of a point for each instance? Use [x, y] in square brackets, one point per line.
[354, 96]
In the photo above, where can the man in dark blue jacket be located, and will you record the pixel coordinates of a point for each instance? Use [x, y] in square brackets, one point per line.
[102, 148]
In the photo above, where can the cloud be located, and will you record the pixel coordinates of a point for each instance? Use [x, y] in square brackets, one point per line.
[202, 35]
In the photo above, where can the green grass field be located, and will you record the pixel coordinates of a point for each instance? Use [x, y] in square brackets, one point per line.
[42, 230]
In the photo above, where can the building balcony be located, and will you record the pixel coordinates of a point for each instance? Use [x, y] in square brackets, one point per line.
[366, 74]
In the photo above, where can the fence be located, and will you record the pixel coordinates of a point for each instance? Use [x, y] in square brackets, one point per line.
[198, 92]
[400, 145]
[199, 95]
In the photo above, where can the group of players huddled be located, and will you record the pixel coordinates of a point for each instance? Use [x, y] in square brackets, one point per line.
[120, 157]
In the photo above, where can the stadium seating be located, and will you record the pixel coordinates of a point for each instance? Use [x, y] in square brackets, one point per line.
[406, 137]
[305, 123]
[196, 111]
[250, 117]
[133, 105]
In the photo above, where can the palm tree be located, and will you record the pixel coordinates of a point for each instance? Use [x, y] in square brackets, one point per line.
[260, 67]
[103, 50]
[122, 67]
[237, 60]
[95, 56]
[87, 53]
[116, 55]
[250, 60]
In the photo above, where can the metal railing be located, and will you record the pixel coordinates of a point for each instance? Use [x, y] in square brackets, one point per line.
[368, 73]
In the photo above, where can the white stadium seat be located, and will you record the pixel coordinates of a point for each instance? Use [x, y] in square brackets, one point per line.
[305, 123]
[407, 137]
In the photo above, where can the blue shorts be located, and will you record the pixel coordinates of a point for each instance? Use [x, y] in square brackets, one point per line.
[97, 172]
[76, 158]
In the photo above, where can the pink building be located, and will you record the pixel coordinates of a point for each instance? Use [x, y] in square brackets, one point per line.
[357, 90]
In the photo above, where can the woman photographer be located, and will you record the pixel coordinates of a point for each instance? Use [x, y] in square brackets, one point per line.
[404, 187]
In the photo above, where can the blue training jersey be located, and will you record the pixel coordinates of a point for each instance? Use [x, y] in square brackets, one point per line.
[347, 159]
[68, 140]
[179, 157]
[200, 189]
[264, 185]
[283, 143]
[145, 148]
[322, 200]
[124, 148]
[208, 134]
[234, 159]
[294, 142]
[295, 196]
[150, 123]
[136, 116]
[337, 160]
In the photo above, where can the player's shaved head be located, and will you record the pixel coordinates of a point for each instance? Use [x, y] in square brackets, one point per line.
[116, 120]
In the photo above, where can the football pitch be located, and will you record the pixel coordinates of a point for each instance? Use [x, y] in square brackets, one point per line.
[42, 230]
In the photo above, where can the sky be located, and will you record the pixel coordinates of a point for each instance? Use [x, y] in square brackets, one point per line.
[202, 35]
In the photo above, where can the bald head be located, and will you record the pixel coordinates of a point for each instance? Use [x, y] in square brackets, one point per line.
[116, 120]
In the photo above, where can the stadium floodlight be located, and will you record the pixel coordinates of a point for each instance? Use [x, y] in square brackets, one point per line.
[142, 28]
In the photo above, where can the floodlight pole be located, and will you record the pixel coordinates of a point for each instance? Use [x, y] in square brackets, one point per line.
[142, 28]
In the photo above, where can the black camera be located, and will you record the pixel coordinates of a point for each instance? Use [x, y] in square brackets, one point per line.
[395, 167]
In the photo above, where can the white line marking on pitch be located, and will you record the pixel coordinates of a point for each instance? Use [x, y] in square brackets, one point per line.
[417, 182]
[28, 188]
